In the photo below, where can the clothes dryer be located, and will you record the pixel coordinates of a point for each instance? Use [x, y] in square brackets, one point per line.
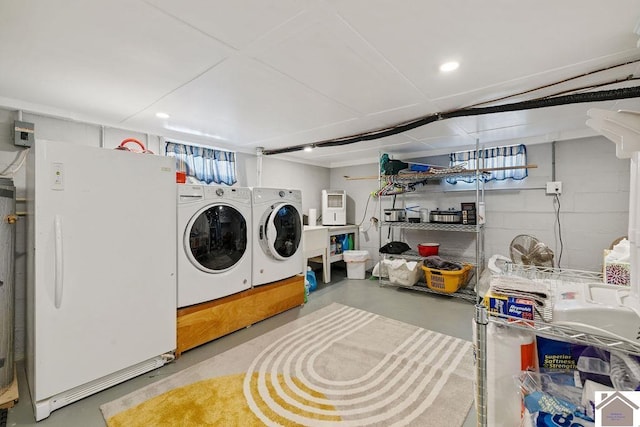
[277, 230]
[214, 242]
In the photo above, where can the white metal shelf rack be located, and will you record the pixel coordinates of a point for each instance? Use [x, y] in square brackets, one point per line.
[468, 292]
[434, 226]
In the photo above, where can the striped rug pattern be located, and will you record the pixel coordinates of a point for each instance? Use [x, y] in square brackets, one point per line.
[337, 366]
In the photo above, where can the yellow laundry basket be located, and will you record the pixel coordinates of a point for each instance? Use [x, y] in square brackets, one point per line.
[446, 281]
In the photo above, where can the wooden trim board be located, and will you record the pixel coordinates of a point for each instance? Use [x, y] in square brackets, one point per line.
[9, 398]
[201, 323]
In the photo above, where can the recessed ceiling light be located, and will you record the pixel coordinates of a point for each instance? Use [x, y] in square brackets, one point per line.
[308, 148]
[162, 115]
[449, 66]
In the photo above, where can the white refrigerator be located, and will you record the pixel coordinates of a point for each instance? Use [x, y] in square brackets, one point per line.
[101, 269]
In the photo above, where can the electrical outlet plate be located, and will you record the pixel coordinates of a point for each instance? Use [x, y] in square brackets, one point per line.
[554, 187]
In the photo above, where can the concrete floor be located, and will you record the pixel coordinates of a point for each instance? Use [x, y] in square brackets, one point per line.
[451, 316]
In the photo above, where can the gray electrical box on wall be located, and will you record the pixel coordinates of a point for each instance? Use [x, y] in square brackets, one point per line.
[24, 133]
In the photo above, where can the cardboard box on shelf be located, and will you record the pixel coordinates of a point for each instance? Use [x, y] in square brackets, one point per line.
[616, 273]
[504, 305]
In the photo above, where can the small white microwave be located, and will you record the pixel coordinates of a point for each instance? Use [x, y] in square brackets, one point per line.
[334, 207]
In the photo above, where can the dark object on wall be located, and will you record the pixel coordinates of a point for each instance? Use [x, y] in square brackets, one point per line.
[392, 167]
[23, 133]
[394, 248]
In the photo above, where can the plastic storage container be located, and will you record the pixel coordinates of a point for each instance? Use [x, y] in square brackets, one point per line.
[356, 261]
[403, 272]
[445, 281]
[428, 249]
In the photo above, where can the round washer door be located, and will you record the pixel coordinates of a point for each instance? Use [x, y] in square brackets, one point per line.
[215, 239]
[283, 231]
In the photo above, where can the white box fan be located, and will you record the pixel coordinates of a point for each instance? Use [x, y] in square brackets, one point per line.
[528, 250]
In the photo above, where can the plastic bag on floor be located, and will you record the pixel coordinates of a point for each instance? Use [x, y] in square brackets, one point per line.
[380, 270]
[552, 400]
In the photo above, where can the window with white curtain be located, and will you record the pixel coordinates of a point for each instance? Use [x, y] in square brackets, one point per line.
[207, 165]
[503, 158]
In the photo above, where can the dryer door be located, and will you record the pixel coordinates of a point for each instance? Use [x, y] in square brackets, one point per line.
[215, 239]
[283, 231]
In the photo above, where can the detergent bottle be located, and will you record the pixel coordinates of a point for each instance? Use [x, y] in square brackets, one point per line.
[311, 278]
[345, 242]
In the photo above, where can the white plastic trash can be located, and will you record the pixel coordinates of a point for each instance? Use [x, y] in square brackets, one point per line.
[356, 261]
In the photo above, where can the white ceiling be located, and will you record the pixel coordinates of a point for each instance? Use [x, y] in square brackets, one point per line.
[244, 74]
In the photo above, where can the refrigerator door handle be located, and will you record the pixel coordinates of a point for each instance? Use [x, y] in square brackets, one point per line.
[58, 261]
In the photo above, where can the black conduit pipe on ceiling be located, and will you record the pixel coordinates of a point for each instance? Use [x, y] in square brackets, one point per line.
[605, 95]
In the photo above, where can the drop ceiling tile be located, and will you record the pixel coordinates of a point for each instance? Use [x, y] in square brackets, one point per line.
[486, 122]
[398, 149]
[405, 151]
[404, 113]
[437, 129]
[632, 104]
[360, 153]
[494, 41]
[320, 51]
[356, 153]
[350, 152]
[236, 23]
[309, 136]
[381, 144]
[446, 145]
[336, 130]
[543, 126]
[595, 75]
[242, 100]
[107, 59]
[540, 116]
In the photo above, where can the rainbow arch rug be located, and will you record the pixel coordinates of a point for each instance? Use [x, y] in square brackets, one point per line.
[338, 366]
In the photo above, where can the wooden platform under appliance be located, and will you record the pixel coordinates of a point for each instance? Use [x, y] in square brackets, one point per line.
[201, 323]
[9, 398]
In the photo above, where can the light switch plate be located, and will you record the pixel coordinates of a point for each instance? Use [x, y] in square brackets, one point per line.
[57, 176]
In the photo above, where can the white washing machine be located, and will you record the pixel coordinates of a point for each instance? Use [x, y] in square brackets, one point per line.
[277, 231]
[214, 242]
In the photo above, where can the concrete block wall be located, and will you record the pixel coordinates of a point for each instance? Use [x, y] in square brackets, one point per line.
[593, 206]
